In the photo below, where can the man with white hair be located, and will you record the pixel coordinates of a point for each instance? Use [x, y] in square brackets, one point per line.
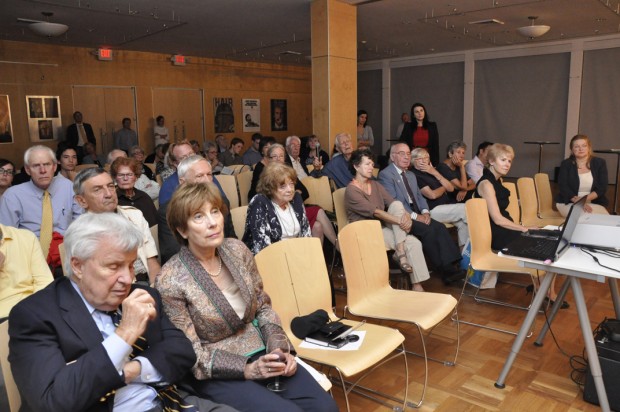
[94, 340]
[45, 204]
[193, 169]
[293, 149]
[338, 168]
[95, 192]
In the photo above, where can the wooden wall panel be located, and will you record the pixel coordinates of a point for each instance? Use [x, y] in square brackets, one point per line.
[57, 69]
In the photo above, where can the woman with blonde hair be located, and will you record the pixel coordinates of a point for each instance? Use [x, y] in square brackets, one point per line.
[582, 174]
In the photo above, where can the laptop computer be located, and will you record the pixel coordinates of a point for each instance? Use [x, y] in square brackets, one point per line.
[547, 245]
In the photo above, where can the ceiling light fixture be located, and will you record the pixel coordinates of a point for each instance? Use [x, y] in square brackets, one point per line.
[534, 30]
[46, 28]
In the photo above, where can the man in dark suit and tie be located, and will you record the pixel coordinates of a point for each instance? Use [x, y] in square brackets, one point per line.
[94, 341]
[78, 134]
[436, 241]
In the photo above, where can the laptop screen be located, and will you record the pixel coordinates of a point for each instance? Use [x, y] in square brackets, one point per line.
[574, 214]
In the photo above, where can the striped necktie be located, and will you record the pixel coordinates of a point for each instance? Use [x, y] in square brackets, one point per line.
[47, 224]
[170, 399]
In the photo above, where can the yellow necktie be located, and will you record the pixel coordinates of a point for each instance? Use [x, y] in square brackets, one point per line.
[47, 223]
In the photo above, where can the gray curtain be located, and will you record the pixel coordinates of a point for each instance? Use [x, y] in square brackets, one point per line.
[523, 99]
[369, 99]
[440, 89]
[600, 102]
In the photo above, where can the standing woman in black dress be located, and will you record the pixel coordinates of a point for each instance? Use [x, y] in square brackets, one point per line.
[421, 132]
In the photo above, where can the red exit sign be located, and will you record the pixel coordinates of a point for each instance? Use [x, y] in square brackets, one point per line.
[104, 54]
[178, 60]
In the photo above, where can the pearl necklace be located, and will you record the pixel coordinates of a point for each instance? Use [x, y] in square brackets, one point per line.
[219, 270]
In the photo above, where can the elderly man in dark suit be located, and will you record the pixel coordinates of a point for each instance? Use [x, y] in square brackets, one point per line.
[94, 341]
[436, 241]
[80, 133]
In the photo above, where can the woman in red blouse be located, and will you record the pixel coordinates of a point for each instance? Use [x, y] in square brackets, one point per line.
[421, 132]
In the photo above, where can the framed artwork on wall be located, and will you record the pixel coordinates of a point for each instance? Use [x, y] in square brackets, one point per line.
[44, 121]
[6, 131]
[224, 115]
[251, 115]
[278, 115]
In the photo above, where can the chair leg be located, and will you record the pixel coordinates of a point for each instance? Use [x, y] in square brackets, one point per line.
[456, 319]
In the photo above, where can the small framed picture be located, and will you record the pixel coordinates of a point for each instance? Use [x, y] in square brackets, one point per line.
[278, 115]
[6, 131]
[44, 122]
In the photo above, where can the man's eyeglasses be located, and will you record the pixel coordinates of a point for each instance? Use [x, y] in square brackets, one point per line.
[403, 153]
[7, 172]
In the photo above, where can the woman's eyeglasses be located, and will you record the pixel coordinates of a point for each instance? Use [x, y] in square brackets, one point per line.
[6, 172]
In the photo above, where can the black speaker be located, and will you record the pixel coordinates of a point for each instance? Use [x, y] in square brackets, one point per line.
[609, 358]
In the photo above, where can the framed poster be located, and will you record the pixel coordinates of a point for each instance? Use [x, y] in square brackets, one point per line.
[251, 115]
[224, 115]
[278, 115]
[44, 121]
[6, 132]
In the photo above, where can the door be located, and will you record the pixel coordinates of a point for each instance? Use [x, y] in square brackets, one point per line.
[182, 110]
[104, 108]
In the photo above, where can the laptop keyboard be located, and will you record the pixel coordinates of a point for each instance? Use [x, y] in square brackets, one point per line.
[541, 250]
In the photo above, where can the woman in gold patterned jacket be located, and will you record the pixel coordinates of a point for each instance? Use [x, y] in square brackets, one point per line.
[213, 292]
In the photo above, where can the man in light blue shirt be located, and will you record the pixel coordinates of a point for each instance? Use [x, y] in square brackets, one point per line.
[338, 168]
[21, 206]
[125, 138]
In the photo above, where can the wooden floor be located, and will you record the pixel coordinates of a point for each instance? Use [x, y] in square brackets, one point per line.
[540, 377]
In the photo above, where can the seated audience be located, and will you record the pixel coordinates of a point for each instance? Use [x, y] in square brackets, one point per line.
[453, 169]
[366, 199]
[265, 143]
[475, 166]
[22, 206]
[143, 183]
[138, 153]
[582, 174]
[338, 168]
[292, 158]
[125, 171]
[176, 153]
[196, 147]
[402, 185]
[211, 155]
[233, 155]
[7, 172]
[503, 229]
[102, 342]
[320, 224]
[312, 150]
[222, 143]
[91, 157]
[435, 189]
[67, 160]
[193, 169]
[252, 155]
[213, 292]
[277, 211]
[95, 192]
[23, 269]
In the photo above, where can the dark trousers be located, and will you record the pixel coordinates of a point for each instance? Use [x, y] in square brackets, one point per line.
[302, 393]
[437, 243]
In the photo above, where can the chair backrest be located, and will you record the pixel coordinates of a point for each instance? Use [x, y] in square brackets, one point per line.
[244, 181]
[375, 171]
[295, 277]
[155, 234]
[513, 205]
[238, 216]
[479, 226]
[79, 168]
[310, 168]
[528, 201]
[363, 254]
[319, 191]
[341, 209]
[545, 198]
[229, 186]
[9, 384]
[236, 169]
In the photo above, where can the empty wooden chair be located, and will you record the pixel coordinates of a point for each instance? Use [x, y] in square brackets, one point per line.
[370, 295]
[545, 198]
[320, 192]
[529, 205]
[229, 186]
[296, 280]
